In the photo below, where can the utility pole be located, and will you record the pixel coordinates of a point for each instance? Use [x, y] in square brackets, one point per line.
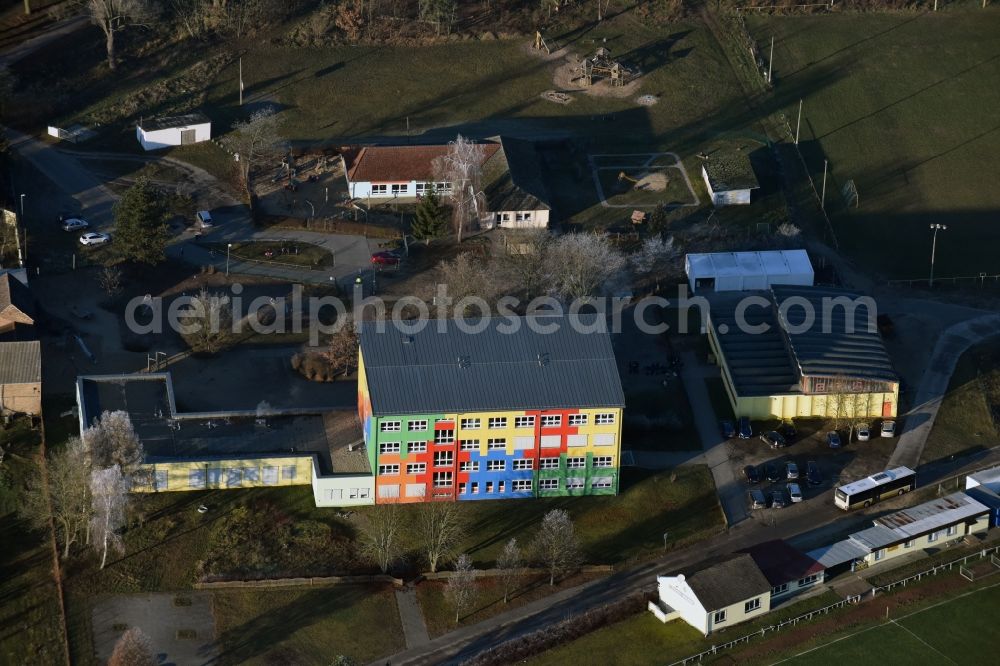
[229, 246]
[822, 197]
[241, 80]
[935, 228]
[798, 124]
[770, 61]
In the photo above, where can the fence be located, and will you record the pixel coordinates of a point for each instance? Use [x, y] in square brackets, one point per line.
[933, 571]
[488, 573]
[982, 279]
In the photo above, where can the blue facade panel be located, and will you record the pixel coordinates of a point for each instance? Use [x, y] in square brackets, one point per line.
[484, 484]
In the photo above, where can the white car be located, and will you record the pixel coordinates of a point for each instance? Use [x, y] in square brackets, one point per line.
[204, 219]
[888, 428]
[75, 224]
[94, 238]
[864, 432]
[794, 492]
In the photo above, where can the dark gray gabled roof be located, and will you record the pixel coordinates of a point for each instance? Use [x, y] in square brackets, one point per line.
[20, 362]
[154, 124]
[512, 178]
[729, 582]
[450, 370]
[829, 348]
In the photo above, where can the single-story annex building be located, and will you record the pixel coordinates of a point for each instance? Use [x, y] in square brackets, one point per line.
[777, 362]
[513, 194]
[20, 351]
[787, 569]
[729, 177]
[747, 271]
[156, 133]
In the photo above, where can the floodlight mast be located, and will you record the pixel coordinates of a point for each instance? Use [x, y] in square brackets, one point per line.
[935, 228]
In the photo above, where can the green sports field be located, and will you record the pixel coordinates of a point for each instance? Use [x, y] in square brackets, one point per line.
[958, 631]
[905, 105]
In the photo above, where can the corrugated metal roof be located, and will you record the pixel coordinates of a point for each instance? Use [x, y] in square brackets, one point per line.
[838, 553]
[154, 124]
[933, 515]
[875, 537]
[445, 369]
[20, 362]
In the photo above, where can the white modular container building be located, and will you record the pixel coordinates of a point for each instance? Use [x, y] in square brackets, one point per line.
[159, 133]
[748, 271]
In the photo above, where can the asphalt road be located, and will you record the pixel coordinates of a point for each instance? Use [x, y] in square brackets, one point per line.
[56, 31]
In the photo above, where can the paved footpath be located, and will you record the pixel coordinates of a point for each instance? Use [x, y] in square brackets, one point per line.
[934, 385]
[411, 617]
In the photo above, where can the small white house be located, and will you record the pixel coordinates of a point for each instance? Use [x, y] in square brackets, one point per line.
[729, 177]
[716, 597]
[157, 133]
[748, 271]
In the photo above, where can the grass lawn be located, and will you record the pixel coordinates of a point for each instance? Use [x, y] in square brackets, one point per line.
[645, 640]
[965, 420]
[29, 602]
[281, 252]
[306, 626]
[903, 104]
[611, 529]
[669, 187]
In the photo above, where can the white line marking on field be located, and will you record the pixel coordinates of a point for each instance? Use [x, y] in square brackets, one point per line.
[924, 642]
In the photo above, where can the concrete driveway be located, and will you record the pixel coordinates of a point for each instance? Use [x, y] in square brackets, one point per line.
[180, 626]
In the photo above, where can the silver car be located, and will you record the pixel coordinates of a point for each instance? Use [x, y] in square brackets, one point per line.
[94, 238]
[888, 429]
[794, 492]
[75, 224]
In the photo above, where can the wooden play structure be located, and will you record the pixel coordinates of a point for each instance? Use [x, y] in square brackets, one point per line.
[601, 64]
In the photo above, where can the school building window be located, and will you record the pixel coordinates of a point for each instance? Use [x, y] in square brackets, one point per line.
[719, 617]
[496, 465]
[751, 605]
[576, 463]
[523, 464]
[380, 189]
[501, 486]
[443, 459]
[444, 436]
[521, 485]
[548, 463]
[388, 447]
[574, 484]
[524, 422]
[604, 419]
[416, 468]
[469, 466]
[600, 482]
[498, 422]
[389, 426]
[496, 443]
[548, 484]
[471, 424]
[400, 188]
[602, 461]
[551, 420]
[415, 426]
[388, 469]
[469, 445]
[417, 447]
[578, 419]
[442, 479]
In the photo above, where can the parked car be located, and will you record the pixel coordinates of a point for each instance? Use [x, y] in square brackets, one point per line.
[75, 224]
[772, 473]
[385, 258]
[833, 439]
[728, 430]
[779, 500]
[745, 431]
[888, 429]
[773, 439]
[751, 474]
[794, 492]
[791, 470]
[813, 477]
[94, 238]
[758, 500]
[864, 432]
[789, 432]
[204, 219]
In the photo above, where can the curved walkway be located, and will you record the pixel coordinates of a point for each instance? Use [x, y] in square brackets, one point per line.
[934, 385]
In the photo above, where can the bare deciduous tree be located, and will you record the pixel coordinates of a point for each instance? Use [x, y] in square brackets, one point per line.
[462, 167]
[113, 16]
[134, 648]
[656, 259]
[108, 492]
[584, 265]
[467, 276]
[789, 230]
[110, 279]
[342, 351]
[68, 497]
[111, 440]
[207, 323]
[510, 563]
[440, 527]
[461, 588]
[524, 263]
[556, 545]
[252, 140]
[382, 534]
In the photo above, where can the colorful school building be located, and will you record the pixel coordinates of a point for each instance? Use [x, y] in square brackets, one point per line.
[449, 414]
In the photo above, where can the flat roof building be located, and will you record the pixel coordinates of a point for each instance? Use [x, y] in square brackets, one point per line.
[747, 271]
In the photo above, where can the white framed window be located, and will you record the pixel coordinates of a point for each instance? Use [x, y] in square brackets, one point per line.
[574, 483]
[462, 488]
[417, 447]
[548, 463]
[605, 418]
[522, 464]
[389, 426]
[879, 554]
[521, 485]
[197, 478]
[779, 589]
[471, 424]
[551, 420]
[475, 487]
[932, 537]
[234, 476]
[489, 487]
[504, 217]
[380, 189]
[417, 426]
[908, 544]
[808, 580]
[952, 530]
[524, 422]
[600, 482]
[548, 484]
[496, 422]
[389, 491]
[288, 472]
[388, 469]
[334, 494]
[578, 419]
[270, 475]
[752, 605]
[603, 461]
[719, 617]
[251, 474]
[469, 445]
[604, 439]
[496, 443]
[576, 463]
[416, 468]
[469, 466]
[502, 487]
[400, 188]
[442, 479]
[523, 217]
[444, 459]
[496, 465]
[388, 447]
[444, 436]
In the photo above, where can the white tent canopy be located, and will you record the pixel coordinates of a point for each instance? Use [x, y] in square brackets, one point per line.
[746, 271]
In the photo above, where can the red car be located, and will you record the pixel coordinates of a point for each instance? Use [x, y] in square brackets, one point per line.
[385, 258]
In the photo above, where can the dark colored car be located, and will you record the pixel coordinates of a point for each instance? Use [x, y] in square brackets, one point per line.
[779, 499]
[745, 431]
[751, 474]
[788, 431]
[728, 430]
[772, 473]
[833, 439]
[773, 439]
[791, 470]
[758, 500]
[812, 473]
